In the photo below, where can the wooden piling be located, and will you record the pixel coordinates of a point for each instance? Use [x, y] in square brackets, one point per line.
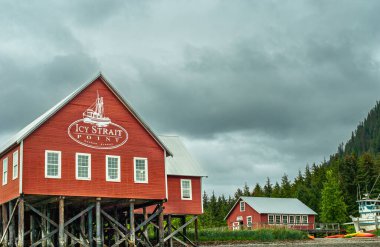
[5, 222]
[196, 236]
[161, 228]
[61, 229]
[145, 218]
[89, 225]
[184, 233]
[116, 216]
[132, 221]
[21, 222]
[32, 228]
[43, 227]
[12, 231]
[98, 224]
[169, 222]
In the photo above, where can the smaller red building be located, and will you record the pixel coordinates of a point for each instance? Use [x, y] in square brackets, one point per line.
[256, 212]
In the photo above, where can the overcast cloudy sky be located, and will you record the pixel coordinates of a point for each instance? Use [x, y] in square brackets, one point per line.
[255, 88]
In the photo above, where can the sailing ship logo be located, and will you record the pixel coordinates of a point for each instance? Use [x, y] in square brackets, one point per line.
[95, 114]
[96, 130]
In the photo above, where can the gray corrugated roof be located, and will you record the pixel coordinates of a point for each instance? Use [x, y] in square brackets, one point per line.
[182, 162]
[266, 205]
[21, 135]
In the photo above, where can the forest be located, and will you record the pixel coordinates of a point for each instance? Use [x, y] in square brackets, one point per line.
[330, 188]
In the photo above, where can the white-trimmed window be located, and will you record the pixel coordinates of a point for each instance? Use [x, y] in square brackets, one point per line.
[52, 164]
[242, 206]
[186, 192]
[15, 165]
[271, 219]
[112, 168]
[141, 170]
[278, 219]
[285, 219]
[298, 219]
[249, 221]
[304, 219]
[5, 171]
[83, 166]
[291, 219]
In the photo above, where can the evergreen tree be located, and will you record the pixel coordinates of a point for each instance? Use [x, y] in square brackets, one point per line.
[366, 172]
[286, 189]
[258, 191]
[268, 188]
[276, 191]
[333, 208]
[348, 171]
[246, 191]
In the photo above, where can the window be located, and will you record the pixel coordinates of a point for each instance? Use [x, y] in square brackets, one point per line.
[304, 219]
[270, 219]
[249, 221]
[141, 170]
[278, 219]
[52, 164]
[5, 171]
[242, 206]
[113, 168]
[285, 219]
[291, 219]
[83, 166]
[298, 219]
[186, 193]
[15, 165]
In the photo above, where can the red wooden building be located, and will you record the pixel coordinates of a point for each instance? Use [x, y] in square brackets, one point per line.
[256, 212]
[91, 153]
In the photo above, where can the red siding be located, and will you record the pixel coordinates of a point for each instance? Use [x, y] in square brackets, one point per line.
[248, 212]
[11, 189]
[52, 135]
[175, 205]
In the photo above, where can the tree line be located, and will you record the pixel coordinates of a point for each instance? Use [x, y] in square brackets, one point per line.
[330, 188]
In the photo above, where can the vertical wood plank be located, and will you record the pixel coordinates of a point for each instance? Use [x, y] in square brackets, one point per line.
[145, 218]
[43, 226]
[132, 220]
[12, 230]
[21, 227]
[61, 232]
[5, 222]
[169, 222]
[89, 225]
[98, 224]
[161, 228]
[196, 231]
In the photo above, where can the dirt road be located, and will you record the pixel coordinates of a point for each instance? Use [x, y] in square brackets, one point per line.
[346, 242]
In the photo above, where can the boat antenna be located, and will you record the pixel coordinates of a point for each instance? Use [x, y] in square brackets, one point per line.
[374, 183]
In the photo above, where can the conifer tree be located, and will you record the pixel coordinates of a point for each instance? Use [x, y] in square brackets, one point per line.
[268, 188]
[246, 191]
[333, 208]
[258, 191]
[286, 189]
[276, 190]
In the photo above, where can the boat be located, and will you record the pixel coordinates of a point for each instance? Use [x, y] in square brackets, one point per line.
[95, 114]
[369, 212]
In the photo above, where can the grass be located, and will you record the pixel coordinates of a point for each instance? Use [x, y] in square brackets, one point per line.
[264, 235]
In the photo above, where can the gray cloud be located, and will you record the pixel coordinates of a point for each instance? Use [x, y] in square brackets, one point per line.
[256, 88]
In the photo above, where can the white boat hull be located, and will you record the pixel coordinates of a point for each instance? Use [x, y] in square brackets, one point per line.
[365, 224]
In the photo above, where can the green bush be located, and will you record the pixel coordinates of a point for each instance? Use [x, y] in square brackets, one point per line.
[207, 235]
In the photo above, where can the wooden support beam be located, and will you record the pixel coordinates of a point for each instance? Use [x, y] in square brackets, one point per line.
[180, 228]
[4, 213]
[132, 221]
[5, 233]
[146, 229]
[98, 224]
[184, 237]
[161, 240]
[21, 222]
[43, 227]
[184, 233]
[32, 224]
[196, 236]
[12, 231]
[89, 231]
[61, 228]
[116, 216]
[48, 241]
[169, 225]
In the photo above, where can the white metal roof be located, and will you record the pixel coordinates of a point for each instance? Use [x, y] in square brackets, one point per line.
[21, 135]
[269, 205]
[182, 163]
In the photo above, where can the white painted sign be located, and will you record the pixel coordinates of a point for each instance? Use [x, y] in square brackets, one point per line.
[95, 130]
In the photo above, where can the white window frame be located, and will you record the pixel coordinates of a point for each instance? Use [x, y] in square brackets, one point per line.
[249, 221]
[5, 171]
[285, 222]
[59, 163]
[146, 170]
[242, 209]
[307, 219]
[269, 219]
[275, 219]
[15, 165]
[77, 166]
[118, 179]
[292, 222]
[191, 190]
[298, 222]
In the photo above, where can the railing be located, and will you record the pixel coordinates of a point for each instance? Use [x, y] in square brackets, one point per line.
[300, 226]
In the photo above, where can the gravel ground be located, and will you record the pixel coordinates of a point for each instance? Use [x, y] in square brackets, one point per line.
[360, 242]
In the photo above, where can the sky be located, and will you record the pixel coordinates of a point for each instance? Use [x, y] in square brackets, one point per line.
[255, 89]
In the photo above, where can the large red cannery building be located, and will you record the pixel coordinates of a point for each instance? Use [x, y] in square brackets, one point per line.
[92, 156]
